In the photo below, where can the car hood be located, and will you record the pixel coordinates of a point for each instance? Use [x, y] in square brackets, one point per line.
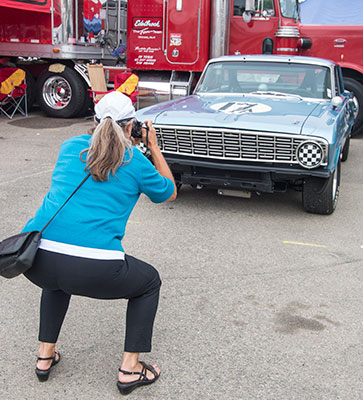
[250, 112]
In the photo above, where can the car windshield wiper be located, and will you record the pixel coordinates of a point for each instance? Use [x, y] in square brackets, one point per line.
[270, 93]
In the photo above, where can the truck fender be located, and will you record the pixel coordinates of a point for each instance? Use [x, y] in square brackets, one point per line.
[83, 71]
[353, 78]
[80, 68]
[354, 67]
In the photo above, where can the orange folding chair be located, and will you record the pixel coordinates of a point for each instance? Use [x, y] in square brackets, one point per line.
[127, 83]
[13, 91]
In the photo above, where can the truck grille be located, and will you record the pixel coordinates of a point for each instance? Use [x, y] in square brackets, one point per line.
[229, 144]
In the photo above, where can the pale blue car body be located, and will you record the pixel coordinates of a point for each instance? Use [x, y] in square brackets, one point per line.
[327, 120]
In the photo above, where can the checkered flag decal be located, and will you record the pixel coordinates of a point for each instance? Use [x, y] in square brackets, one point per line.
[310, 155]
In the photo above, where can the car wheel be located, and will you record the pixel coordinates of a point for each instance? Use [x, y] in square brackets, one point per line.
[61, 94]
[320, 195]
[345, 151]
[354, 86]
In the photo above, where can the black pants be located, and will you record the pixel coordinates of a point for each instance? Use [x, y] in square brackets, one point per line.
[61, 275]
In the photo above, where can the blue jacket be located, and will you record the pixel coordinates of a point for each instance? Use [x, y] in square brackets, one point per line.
[97, 214]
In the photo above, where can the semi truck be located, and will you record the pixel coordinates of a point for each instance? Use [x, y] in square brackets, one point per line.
[167, 43]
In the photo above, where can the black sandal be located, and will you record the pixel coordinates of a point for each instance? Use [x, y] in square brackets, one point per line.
[43, 374]
[128, 387]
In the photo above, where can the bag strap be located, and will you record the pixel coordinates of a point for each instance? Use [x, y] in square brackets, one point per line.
[74, 191]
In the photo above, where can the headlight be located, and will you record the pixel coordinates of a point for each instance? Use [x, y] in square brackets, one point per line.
[309, 154]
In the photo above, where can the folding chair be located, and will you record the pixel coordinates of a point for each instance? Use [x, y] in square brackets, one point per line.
[13, 91]
[98, 81]
[125, 82]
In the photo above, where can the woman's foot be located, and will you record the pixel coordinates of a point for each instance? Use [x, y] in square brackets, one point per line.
[47, 350]
[134, 373]
[46, 364]
[130, 380]
[138, 367]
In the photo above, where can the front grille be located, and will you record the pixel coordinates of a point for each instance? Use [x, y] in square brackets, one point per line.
[229, 144]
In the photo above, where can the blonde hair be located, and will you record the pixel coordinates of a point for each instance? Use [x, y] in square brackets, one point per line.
[107, 150]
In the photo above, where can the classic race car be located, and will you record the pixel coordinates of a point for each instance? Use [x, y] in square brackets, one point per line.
[260, 123]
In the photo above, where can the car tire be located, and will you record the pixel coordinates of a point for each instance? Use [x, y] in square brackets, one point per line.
[345, 151]
[354, 86]
[61, 94]
[320, 195]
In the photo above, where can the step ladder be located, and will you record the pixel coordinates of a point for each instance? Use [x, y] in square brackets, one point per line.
[180, 83]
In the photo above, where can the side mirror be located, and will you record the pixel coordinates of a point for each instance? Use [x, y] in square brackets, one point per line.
[247, 16]
[250, 8]
[336, 101]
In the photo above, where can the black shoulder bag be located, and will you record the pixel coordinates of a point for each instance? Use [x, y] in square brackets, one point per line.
[17, 252]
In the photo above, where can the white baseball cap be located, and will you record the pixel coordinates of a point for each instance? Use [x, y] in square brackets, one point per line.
[114, 105]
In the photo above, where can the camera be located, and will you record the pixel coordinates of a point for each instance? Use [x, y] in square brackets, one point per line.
[136, 129]
[136, 133]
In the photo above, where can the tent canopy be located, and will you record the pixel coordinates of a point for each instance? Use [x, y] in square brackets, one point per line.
[331, 12]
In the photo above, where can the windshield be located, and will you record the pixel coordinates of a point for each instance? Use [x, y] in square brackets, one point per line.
[267, 78]
[289, 8]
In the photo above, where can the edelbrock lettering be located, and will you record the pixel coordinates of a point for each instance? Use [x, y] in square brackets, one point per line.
[140, 22]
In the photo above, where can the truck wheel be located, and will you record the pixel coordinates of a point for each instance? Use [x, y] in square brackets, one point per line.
[320, 195]
[357, 88]
[345, 151]
[61, 94]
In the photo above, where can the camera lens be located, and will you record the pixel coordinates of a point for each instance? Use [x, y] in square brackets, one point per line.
[136, 129]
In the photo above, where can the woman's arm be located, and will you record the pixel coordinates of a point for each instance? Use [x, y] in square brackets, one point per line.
[158, 159]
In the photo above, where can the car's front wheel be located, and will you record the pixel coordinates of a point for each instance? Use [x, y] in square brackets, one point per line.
[320, 195]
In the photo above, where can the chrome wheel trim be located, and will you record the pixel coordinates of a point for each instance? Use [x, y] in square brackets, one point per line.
[356, 104]
[57, 92]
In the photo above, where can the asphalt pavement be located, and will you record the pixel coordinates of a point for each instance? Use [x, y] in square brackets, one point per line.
[260, 300]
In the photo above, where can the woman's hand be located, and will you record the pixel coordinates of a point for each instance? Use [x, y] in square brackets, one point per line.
[149, 138]
[151, 141]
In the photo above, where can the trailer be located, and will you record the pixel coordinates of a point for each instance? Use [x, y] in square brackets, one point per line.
[53, 40]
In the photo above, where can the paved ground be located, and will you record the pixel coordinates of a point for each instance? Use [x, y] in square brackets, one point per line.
[246, 312]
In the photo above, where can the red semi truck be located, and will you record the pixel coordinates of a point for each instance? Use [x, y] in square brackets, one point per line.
[168, 43]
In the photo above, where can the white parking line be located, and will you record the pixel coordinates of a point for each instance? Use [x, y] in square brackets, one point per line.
[303, 244]
[25, 177]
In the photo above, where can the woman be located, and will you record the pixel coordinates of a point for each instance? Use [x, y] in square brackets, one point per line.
[81, 253]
